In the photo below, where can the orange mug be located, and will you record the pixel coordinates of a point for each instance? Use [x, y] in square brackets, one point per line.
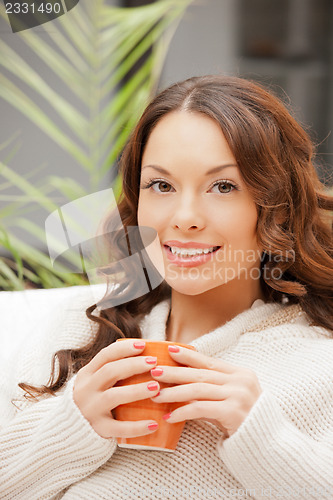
[166, 437]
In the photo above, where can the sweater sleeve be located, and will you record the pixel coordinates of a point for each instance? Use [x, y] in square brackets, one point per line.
[47, 447]
[271, 457]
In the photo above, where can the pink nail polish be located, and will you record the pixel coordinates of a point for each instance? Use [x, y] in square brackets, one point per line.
[151, 360]
[173, 348]
[165, 417]
[153, 427]
[156, 372]
[139, 345]
[152, 386]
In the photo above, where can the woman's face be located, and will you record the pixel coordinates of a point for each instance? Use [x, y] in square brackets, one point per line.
[193, 195]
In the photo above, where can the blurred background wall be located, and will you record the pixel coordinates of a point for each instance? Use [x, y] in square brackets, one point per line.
[285, 44]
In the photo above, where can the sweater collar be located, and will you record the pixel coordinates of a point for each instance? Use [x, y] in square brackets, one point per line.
[153, 326]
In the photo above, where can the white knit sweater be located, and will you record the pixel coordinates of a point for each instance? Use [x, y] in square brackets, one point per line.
[283, 449]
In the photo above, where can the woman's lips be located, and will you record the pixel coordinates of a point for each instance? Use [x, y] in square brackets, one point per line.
[191, 260]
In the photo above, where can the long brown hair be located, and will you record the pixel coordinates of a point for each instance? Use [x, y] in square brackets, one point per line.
[275, 157]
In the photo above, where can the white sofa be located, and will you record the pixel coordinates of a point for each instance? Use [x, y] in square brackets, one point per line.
[23, 312]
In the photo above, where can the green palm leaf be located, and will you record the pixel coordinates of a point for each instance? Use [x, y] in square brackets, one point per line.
[91, 50]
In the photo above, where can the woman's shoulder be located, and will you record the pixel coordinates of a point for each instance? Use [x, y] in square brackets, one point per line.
[67, 325]
[290, 321]
[64, 326]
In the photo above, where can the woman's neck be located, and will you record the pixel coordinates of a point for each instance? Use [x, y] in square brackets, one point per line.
[194, 315]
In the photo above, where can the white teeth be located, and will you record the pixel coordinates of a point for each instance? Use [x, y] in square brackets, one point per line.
[190, 252]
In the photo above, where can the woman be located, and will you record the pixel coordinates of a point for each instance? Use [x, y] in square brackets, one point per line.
[223, 173]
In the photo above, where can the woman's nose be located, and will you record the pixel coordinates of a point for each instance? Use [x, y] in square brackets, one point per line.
[188, 215]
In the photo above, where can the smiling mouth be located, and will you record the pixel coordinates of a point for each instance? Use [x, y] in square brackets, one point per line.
[190, 253]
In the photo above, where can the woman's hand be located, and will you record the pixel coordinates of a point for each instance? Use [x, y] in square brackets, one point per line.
[95, 395]
[216, 391]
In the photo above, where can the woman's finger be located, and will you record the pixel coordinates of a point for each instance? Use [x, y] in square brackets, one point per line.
[217, 410]
[127, 394]
[110, 373]
[195, 359]
[185, 375]
[190, 392]
[109, 427]
[115, 351]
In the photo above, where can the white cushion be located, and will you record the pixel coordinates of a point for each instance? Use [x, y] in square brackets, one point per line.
[21, 312]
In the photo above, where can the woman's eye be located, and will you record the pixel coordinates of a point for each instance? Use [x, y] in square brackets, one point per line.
[223, 187]
[161, 187]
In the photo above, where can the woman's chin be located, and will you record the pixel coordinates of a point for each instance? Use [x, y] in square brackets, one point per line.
[190, 286]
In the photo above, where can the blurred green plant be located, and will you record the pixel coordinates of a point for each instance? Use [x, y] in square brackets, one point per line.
[110, 60]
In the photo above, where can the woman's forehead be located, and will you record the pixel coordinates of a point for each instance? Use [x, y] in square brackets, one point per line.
[187, 136]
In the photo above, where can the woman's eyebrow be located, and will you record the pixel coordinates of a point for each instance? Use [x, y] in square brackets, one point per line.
[213, 170]
[220, 167]
[156, 167]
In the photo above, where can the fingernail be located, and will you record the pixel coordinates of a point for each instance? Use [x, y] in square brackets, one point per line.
[139, 345]
[153, 427]
[165, 417]
[153, 386]
[156, 372]
[173, 348]
[151, 360]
